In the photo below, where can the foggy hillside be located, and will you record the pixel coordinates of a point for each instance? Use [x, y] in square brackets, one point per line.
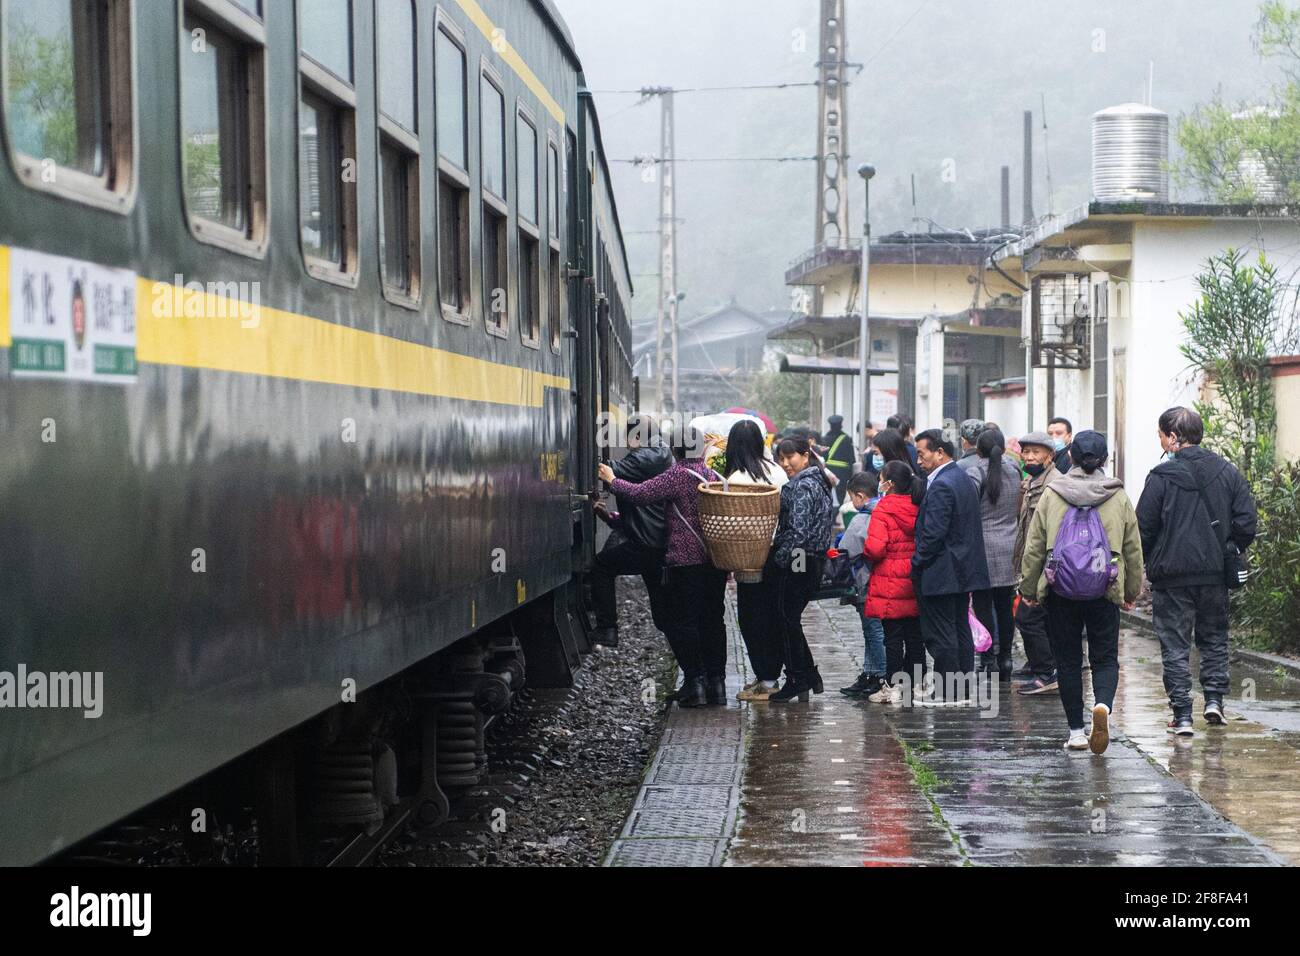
[944, 80]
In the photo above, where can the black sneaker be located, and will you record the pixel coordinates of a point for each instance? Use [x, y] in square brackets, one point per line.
[1181, 725]
[1214, 711]
[859, 688]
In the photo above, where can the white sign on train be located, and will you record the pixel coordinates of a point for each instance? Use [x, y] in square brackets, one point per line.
[71, 319]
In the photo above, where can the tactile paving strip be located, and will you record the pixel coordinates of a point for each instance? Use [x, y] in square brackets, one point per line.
[702, 797]
[687, 809]
[678, 820]
[667, 853]
[701, 753]
[703, 734]
[707, 774]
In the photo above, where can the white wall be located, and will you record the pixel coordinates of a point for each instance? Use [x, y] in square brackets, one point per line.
[1009, 411]
[1167, 256]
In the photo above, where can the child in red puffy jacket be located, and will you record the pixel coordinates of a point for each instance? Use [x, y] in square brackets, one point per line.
[891, 541]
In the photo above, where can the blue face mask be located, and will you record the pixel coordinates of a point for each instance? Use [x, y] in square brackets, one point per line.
[1167, 456]
[1058, 443]
[877, 462]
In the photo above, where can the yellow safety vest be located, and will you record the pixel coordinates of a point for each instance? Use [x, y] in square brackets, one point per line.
[830, 455]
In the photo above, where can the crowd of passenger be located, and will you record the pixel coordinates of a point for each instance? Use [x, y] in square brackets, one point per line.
[945, 545]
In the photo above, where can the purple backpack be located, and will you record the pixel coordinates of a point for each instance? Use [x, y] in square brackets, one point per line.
[1079, 566]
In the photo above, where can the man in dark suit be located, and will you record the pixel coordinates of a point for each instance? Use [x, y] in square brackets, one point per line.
[949, 563]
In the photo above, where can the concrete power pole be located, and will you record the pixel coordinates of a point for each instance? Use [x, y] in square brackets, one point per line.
[666, 342]
[832, 215]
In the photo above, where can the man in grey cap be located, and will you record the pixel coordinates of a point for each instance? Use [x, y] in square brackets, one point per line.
[970, 432]
[1038, 676]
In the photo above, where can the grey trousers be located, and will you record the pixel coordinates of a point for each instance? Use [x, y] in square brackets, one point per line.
[1180, 613]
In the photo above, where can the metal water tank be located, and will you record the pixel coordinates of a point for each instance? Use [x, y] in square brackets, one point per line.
[1130, 154]
[1264, 183]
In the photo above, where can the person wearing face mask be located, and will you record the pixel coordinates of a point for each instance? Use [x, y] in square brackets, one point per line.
[1062, 433]
[1038, 676]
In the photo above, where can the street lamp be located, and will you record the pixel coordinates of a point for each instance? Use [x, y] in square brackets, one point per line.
[866, 171]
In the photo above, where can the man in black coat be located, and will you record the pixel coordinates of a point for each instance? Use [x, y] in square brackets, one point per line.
[948, 564]
[640, 533]
[1184, 548]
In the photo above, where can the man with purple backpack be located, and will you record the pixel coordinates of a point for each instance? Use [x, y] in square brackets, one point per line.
[1083, 561]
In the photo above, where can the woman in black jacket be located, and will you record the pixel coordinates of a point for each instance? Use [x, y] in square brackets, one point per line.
[803, 534]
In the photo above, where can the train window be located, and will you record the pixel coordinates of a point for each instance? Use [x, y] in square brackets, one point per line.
[251, 6]
[222, 123]
[399, 239]
[395, 38]
[399, 153]
[530, 264]
[69, 110]
[526, 167]
[556, 303]
[449, 65]
[530, 307]
[327, 167]
[492, 120]
[554, 278]
[326, 27]
[553, 190]
[496, 295]
[453, 174]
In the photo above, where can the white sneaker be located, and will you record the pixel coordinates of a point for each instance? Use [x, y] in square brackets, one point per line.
[1100, 736]
[885, 695]
[1078, 740]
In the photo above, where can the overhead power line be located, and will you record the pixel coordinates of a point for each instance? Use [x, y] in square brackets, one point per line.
[648, 91]
[654, 161]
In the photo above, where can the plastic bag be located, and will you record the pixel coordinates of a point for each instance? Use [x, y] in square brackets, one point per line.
[978, 632]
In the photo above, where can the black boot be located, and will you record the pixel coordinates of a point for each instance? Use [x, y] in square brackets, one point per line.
[815, 681]
[715, 690]
[796, 687]
[691, 693]
[1005, 666]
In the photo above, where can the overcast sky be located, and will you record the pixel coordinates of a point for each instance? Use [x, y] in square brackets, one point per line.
[945, 82]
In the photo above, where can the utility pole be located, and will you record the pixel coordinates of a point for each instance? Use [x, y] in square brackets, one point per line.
[832, 214]
[666, 341]
[866, 171]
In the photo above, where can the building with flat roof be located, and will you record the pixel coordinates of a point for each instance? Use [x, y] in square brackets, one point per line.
[1108, 283]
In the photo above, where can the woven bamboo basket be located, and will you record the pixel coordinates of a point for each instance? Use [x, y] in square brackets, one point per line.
[738, 522]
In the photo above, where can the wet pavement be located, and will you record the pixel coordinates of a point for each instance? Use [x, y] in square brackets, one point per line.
[840, 782]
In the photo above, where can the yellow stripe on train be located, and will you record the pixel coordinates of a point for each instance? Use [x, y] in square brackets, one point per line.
[178, 326]
[511, 56]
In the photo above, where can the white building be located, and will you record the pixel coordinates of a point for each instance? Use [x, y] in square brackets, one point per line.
[1108, 283]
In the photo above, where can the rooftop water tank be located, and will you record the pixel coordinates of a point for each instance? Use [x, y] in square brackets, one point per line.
[1130, 154]
[1264, 183]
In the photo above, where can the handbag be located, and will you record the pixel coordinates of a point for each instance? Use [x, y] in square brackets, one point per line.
[1235, 572]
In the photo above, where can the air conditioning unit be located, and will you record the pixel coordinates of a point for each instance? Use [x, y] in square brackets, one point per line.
[1060, 321]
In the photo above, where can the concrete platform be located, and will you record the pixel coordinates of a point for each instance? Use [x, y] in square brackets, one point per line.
[846, 783]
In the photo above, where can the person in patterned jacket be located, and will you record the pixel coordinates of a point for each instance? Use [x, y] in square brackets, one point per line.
[803, 533]
[694, 588]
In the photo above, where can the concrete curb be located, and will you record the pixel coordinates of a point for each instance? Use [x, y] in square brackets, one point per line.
[1142, 622]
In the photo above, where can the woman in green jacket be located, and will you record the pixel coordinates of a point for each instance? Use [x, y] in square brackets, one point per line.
[1047, 577]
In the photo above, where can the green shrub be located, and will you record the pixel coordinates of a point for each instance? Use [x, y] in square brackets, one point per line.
[1267, 609]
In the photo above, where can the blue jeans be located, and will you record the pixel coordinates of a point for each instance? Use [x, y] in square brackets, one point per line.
[873, 634]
